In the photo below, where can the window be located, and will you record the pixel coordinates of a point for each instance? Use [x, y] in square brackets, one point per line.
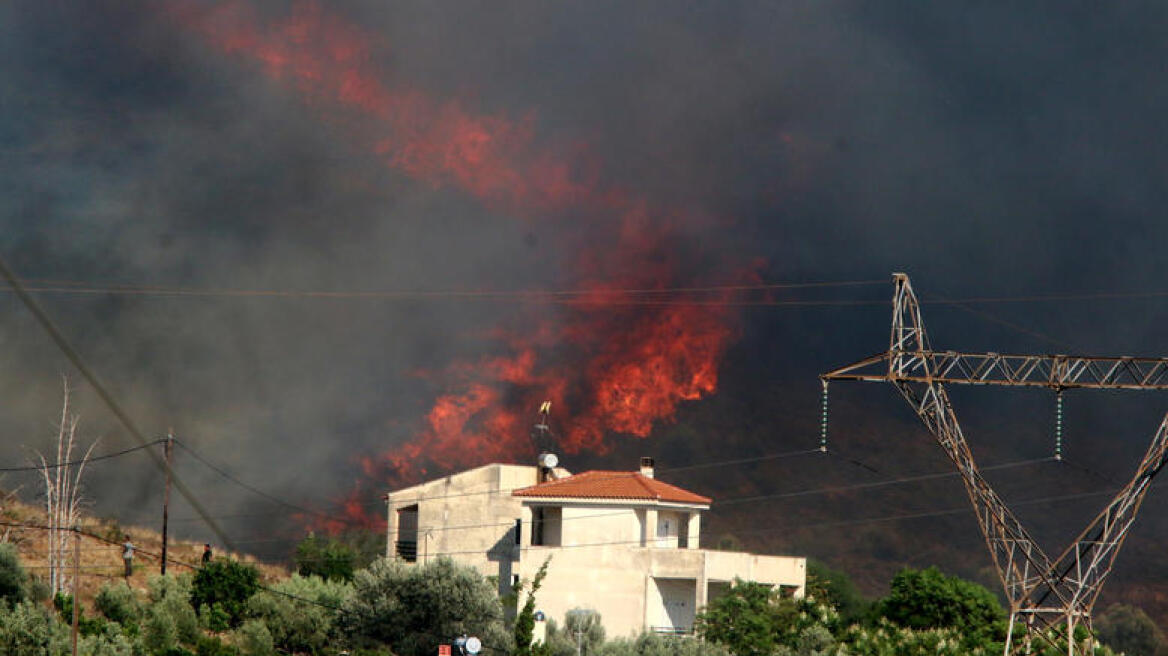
[663, 528]
[406, 545]
[546, 526]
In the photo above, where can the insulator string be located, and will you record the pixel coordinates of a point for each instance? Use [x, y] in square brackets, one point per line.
[823, 421]
[1058, 426]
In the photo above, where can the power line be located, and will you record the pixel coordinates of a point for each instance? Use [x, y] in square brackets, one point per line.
[287, 504]
[740, 461]
[587, 297]
[730, 501]
[86, 461]
[724, 463]
[865, 520]
[155, 556]
[735, 500]
[74, 357]
[79, 287]
[876, 484]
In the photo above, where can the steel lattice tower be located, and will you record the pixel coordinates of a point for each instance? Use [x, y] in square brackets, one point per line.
[1042, 592]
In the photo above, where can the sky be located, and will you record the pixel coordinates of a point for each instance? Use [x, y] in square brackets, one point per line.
[317, 240]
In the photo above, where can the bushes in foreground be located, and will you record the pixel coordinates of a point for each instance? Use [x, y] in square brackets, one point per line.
[405, 610]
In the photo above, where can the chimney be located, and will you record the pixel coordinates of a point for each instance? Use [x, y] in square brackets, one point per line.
[646, 467]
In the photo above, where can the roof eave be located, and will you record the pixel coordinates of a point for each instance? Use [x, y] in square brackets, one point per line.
[614, 501]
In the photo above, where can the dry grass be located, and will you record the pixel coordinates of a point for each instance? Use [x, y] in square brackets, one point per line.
[101, 556]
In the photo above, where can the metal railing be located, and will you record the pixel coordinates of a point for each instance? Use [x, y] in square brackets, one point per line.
[672, 630]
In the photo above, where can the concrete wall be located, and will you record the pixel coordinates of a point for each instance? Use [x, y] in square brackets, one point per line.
[468, 516]
[634, 588]
[775, 570]
[608, 579]
[589, 525]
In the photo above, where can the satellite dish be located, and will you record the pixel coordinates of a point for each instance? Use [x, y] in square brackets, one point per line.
[473, 645]
[548, 460]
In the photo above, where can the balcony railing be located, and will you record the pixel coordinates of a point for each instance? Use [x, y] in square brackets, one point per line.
[672, 630]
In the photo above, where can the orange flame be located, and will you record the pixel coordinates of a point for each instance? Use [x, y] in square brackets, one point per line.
[615, 366]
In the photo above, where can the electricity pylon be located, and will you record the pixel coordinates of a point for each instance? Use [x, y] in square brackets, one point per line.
[1042, 592]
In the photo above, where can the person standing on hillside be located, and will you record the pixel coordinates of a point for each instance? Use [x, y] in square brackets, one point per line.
[128, 556]
[206, 553]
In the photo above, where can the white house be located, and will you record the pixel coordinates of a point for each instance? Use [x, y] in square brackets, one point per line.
[622, 543]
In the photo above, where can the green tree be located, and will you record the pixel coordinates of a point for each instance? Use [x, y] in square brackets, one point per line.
[300, 612]
[836, 588]
[327, 558]
[525, 621]
[746, 619]
[29, 629]
[1130, 630]
[928, 599]
[413, 608]
[118, 603]
[582, 628]
[255, 639]
[13, 578]
[227, 584]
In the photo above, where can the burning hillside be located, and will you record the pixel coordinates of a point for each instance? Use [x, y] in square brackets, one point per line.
[618, 355]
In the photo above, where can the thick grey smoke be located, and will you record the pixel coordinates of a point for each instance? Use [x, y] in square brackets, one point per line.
[992, 150]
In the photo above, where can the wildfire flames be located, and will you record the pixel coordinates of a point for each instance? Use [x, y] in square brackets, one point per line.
[617, 359]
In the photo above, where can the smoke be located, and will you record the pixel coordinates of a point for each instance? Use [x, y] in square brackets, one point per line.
[595, 147]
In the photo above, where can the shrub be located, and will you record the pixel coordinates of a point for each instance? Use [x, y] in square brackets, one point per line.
[836, 589]
[329, 559]
[186, 623]
[226, 584]
[160, 587]
[255, 639]
[411, 608]
[38, 589]
[159, 632]
[214, 618]
[1129, 629]
[28, 629]
[13, 578]
[580, 624]
[85, 625]
[110, 642]
[649, 644]
[928, 599]
[212, 646]
[118, 603]
[300, 626]
[747, 619]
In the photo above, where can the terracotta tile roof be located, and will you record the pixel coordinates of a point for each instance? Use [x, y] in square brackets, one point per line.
[612, 485]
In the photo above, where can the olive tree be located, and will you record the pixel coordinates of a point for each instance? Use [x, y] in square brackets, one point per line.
[413, 608]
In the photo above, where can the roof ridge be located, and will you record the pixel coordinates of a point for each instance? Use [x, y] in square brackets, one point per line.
[596, 483]
[643, 480]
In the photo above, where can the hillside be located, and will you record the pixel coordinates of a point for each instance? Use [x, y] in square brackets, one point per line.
[101, 553]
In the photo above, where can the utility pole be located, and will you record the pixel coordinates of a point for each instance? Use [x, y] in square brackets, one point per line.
[169, 448]
[76, 577]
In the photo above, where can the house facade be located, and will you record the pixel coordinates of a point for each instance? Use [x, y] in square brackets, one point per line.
[622, 543]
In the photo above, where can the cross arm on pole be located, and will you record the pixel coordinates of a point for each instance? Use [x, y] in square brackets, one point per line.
[1058, 372]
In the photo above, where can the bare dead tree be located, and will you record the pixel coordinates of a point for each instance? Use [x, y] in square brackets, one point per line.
[62, 494]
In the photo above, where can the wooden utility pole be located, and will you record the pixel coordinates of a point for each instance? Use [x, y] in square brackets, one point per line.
[76, 578]
[166, 495]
